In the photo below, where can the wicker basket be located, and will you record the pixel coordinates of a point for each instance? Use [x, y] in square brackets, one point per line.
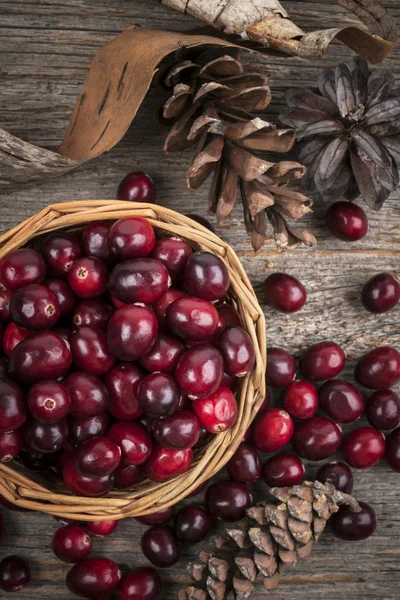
[30, 490]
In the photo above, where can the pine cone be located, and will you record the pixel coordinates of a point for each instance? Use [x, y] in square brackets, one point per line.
[348, 132]
[273, 537]
[209, 106]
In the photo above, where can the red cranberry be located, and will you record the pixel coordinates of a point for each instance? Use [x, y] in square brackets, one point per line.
[90, 351]
[93, 576]
[157, 518]
[94, 241]
[122, 383]
[93, 313]
[137, 187]
[206, 276]
[132, 331]
[71, 543]
[245, 465]
[283, 470]
[173, 252]
[202, 220]
[192, 523]
[281, 368]
[102, 528]
[88, 393]
[13, 335]
[179, 431]
[127, 476]
[379, 368]
[321, 361]
[134, 441]
[272, 430]
[346, 221]
[317, 438]
[131, 237]
[14, 574]
[218, 412]
[230, 381]
[338, 474]
[42, 355]
[89, 487]
[83, 428]
[199, 371]
[381, 293]
[284, 293]
[65, 296]
[45, 437]
[13, 411]
[364, 447]
[59, 251]
[230, 315]
[237, 350]
[5, 299]
[393, 450]
[141, 584]
[192, 318]
[97, 457]
[160, 307]
[87, 277]
[35, 307]
[354, 526]
[21, 267]
[158, 395]
[228, 500]
[143, 280]
[10, 445]
[300, 400]
[164, 354]
[383, 409]
[160, 546]
[341, 401]
[49, 401]
[165, 463]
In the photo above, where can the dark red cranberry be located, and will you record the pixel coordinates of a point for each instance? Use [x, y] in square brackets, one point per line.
[173, 252]
[90, 351]
[93, 576]
[379, 369]
[381, 293]
[137, 186]
[94, 241]
[143, 280]
[59, 251]
[127, 476]
[199, 371]
[206, 276]
[38, 461]
[237, 350]
[5, 299]
[230, 315]
[283, 470]
[165, 463]
[49, 401]
[89, 396]
[338, 474]
[281, 368]
[160, 546]
[202, 220]
[354, 526]
[131, 237]
[230, 381]
[102, 528]
[97, 457]
[42, 355]
[192, 318]
[317, 438]
[45, 437]
[160, 307]
[300, 400]
[92, 313]
[35, 307]
[10, 445]
[346, 221]
[218, 412]
[341, 401]
[272, 430]
[14, 574]
[158, 395]
[89, 487]
[322, 361]
[157, 518]
[383, 409]
[132, 331]
[228, 500]
[134, 441]
[164, 354]
[192, 523]
[13, 411]
[393, 449]
[122, 383]
[141, 584]
[83, 428]
[180, 431]
[364, 447]
[284, 293]
[13, 335]
[21, 267]
[245, 465]
[71, 543]
[65, 296]
[87, 277]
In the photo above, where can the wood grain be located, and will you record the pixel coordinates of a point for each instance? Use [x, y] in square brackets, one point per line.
[46, 47]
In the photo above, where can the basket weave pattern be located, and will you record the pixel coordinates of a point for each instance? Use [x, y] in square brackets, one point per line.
[34, 492]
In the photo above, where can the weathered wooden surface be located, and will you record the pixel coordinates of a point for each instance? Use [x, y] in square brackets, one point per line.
[45, 50]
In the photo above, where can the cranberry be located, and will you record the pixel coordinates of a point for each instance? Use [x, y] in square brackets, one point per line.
[284, 293]
[281, 368]
[127, 476]
[206, 276]
[90, 351]
[59, 251]
[49, 401]
[5, 299]
[137, 187]
[245, 465]
[180, 431]
[317, 438]
[383, 409]
[321, 361]
[165, 463]
[131, 237]
[10, 445]
[230, 315]
[346, 221]
[338, 474]
[341, 401]
[160, 307]
[21, 267]
[132, 331]
[157, 518]
[65, 296]
[87, 277]
[94, 240]
[283, 470]
[13, 411]
[230, 381]
[93, 576]
[192, 318]
[354, 526]
[85, 486]
[364, 447]
[42, 355]
[141, 584]
[218, 412]
[88, 393]
[192, 523]
[97, 457]
[164, 354]
[45, 437]
[143, 280]
[93, 313]
[202, 220]
[272, 430]
[173, 252]
[199, 371]
[71, 543]
[14, 574]
[228, 500]
[13, 335]
[393, 450]
[158, 395]
[237, 350]
[83, 428]
[160, 546]
[102, 528]
[300, 400]
[122, 383]
[35, 307]
[381, 293]
[134, 441]
[379, 368]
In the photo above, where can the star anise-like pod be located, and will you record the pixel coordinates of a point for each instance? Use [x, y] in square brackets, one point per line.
[348, 132]
[209, 107]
